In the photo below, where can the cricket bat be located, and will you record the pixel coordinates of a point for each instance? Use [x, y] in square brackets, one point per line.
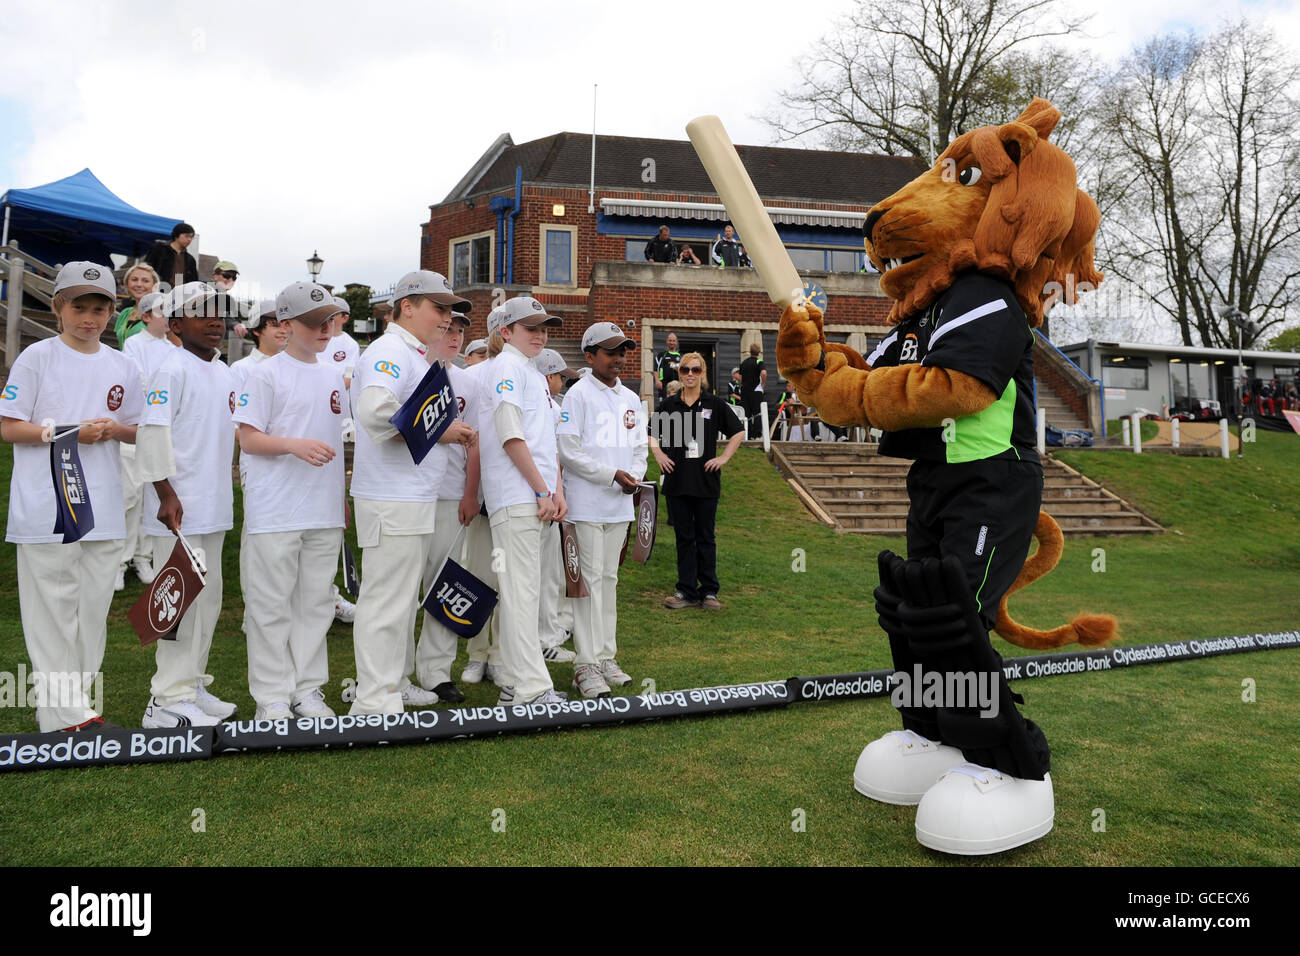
[716, 152]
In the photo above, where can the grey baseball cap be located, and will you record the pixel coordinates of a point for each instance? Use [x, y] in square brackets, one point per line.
[83, 278]
[528, 312]
[381, 308]
[307, 302]
[199, 298]
[343, 304]
[432, 284]
[459, 315]
[494, 321]
[265, 309]
[550, 362]
[604, 335]
[153, 301]
[478, 345]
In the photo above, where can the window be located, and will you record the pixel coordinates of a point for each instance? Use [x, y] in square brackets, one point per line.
[470, 260]
[558, 259]
[845, 260]
[825, 260]
[807, 259]
[1123, 371]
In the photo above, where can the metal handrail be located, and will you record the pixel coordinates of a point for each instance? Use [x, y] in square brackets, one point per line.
[1052, 345]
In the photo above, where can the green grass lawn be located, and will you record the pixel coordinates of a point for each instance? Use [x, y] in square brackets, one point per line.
[1184, 771]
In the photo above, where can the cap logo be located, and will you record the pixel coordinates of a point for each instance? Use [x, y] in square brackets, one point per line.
[536, 305]
[446, 285]
[317, 295]
[90, 274]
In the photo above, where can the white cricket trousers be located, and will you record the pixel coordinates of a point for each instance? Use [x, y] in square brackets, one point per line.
[383, 634]
[181, 665]
[287, 611]
[436, 651]
[595, 618]
[136, 544]
[485, 645]
[549, 631]
[64, 593]
[517, 531]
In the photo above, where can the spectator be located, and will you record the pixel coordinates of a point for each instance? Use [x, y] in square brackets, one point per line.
[673, 388]
[688, 426]
[744, 258]
[1292, 399]
[688, 257]
[475, 352]
[726, 250]
[661, 248]
[753, 380]
[224, 276]
[735, 396]
[383, 311]
[139, 281]
[171, 262]
[666, 367]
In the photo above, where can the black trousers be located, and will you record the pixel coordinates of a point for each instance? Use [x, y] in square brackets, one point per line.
[751, 401]
[984, 512]
[697, 549]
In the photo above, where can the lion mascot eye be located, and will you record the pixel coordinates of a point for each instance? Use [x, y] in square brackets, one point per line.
[969, 176]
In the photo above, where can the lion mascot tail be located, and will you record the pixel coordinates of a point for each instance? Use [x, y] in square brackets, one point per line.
[1089, 630]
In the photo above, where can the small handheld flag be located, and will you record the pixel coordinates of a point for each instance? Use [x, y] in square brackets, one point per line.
[160, 608]
[646, 501]
[574, 585]
[426, 414]
[457, 599]
[74, 517]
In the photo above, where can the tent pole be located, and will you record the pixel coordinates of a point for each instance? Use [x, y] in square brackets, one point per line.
[4, 237]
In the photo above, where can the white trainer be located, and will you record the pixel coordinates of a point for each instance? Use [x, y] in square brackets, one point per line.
[276, 711]
[976, 810]
[614, 675]
[474, 672]
[213, 705]
[144, 570]
[119, 583]
[901, 766]
[183, 713]
[344, 610]
[557, 654]
[586, 677]
[551, 696]
[506, 697]
[313, 705]
[497, 675]
[413, 696]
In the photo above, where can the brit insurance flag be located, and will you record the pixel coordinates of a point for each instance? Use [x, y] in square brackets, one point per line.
[459, 601]
[426, 414]
[73, 518]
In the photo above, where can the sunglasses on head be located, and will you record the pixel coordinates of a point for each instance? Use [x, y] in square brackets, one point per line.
[692, 370]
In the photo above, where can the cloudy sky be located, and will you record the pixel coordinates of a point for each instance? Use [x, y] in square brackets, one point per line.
[283, 128]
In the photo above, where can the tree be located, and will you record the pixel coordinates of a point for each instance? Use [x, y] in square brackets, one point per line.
[906, 77]
[1195, 178]
[1286, 341]
[357, 297]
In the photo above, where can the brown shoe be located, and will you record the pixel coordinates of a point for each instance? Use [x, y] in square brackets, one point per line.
[711, 603]
[679, 601]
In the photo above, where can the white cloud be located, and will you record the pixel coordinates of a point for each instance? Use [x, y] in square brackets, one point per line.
[278, 129]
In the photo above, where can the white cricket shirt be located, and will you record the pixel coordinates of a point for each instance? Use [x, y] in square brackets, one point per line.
[52, 380]
[603, 431]
[197, 400]
[292, 399]
[514, 380]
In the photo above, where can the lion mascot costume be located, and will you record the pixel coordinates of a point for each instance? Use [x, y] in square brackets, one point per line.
[972, 252]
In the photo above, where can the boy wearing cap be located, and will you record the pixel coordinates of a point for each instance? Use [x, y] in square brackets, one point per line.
[185, 449]
[555, 611]
[64, 590]
[343, 349]
[146, 350]
[476, 352]
[291, 439]
[603, 446]
[521, 488]
[457, 509]
[395, 510]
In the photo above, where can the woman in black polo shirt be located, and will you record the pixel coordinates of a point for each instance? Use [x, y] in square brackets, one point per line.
[684, 441]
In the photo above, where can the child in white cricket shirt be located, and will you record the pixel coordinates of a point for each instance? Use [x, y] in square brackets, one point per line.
[291, 435]
[603, 446]
[395, 510]
[147, 349]
[64, 590]
[185, 448]
[521, 489]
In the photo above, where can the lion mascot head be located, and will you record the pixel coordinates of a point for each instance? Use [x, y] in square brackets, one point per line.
[1001, 200]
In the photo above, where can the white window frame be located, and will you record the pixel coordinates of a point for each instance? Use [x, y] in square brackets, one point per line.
[492, 254]
[542, 229]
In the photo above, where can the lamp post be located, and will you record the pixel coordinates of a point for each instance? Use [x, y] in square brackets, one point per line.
[1242, 324]
[314, 265]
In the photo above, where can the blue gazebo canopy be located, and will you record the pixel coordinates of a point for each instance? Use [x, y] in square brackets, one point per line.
[78, 217]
